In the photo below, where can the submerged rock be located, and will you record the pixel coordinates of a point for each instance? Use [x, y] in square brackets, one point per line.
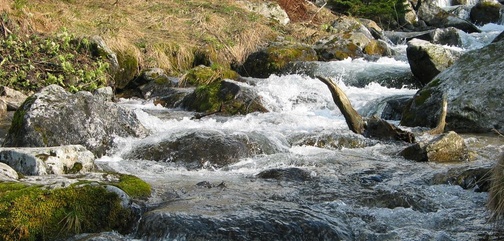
[474, 90]
[259, 222]
[202, 148]
[286, 174]
[55, 117]
[49, 160]
[477, 179]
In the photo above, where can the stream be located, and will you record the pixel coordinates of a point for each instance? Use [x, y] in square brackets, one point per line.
[316, 180]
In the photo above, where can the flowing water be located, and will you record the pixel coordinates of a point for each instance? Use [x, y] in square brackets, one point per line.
[324, 192]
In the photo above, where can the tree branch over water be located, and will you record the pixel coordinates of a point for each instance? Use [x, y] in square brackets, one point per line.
[373, 127]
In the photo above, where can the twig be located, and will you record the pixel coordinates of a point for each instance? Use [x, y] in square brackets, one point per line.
[5, 29]
[497, 132]
[315, 14]
[199, 116]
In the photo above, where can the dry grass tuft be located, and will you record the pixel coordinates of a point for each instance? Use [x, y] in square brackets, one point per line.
[159, 33]
[496, 192]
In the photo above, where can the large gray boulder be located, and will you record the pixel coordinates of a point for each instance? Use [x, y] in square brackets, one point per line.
[58, 160]
[437, 17]
[474, 91]
[427, 60]
[54, 117]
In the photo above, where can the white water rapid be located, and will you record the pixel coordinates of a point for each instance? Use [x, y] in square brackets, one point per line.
[365, 193]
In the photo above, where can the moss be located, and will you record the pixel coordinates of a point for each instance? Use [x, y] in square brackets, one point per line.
[200, 75]
[433, 83]
[134, 186]
[206, 97]
[422, 96]
[280, 56]
[30, 212]
[128, 69]
[77, 167]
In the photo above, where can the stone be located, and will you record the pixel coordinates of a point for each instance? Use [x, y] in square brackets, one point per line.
[270, 10]
[486, 12]
[54, 117]
[428, 60]
[274, 59]
[13, 99]
[437, 17]
[286, 174]
[474, 91]
[7, 173]
[58, 160]
[202, 148]
[446, 148]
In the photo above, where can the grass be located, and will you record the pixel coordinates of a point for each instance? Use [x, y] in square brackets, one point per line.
[166, 33]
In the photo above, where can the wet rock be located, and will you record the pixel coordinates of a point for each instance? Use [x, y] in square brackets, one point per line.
[331, 140]
[486, 12]
[378, 48]
[225, 97]
[473, 87]
[397, 198]
[499, 38]
[55, 117]
[169, 97]
[11, 98]
[263, 222]
[274, 59]
[477, 179]
[437, 17]
[389, 108]
[49, 160]
[286, 174]
[106, 236]
[202, 148]
[443, 36]
[449, 147]
[428, 60]
[7, 173]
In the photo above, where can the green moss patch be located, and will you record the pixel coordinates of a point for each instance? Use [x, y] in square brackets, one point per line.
[30, 212]
[133, 186]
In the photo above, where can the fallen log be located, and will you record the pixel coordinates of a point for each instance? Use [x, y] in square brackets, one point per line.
[373, 127]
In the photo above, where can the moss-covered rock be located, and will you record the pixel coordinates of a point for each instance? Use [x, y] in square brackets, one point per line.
[31, 212]
[224, 97]
[486, 12]
[274, 59]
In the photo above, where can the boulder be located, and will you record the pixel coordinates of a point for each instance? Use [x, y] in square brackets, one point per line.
[225, 97]
[54, 117]
[437, 17]
[274, 58]
[11, 99]
[270, 10]
[58, 160]
[486, 12]
[449, 147]
[427, 60]
[348, 41]
[152, 76]
[474, 91]
[7, 173]
[388, 108]
[202, 148]
[331, 140]
[444, 36]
